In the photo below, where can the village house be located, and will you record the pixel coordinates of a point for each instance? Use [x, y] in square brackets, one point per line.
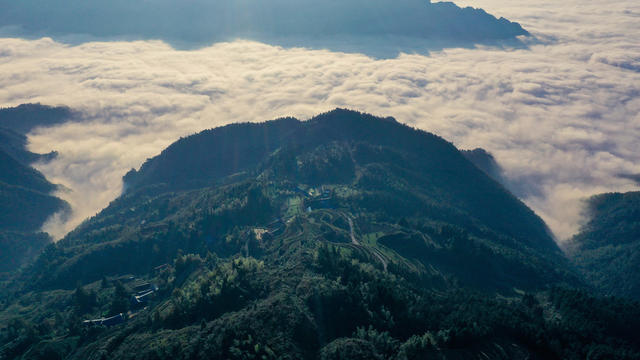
[108, 322]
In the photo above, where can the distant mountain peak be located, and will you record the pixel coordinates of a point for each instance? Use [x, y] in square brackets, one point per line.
[24, 118]
[298, 22]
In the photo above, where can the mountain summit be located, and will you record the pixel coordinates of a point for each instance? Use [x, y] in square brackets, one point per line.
[346, 236]
[413, 195]
[348, 145]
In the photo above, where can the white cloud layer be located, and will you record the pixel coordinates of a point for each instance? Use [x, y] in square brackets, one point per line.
[562, 117]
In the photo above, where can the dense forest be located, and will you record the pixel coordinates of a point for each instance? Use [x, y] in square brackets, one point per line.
[346, 236]
[25, 195]
[607, 249]
[26, 117]
[486, 162]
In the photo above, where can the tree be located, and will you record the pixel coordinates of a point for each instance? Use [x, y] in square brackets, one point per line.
[120, 302]
[84, 301]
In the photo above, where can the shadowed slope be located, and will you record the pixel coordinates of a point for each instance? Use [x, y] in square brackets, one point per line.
[25, 194]
[344, 236]
[607, 249]
[448, 177]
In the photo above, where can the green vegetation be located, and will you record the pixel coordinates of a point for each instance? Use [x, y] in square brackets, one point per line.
[25, 195]
[405, 254]
[22, 119]
[607, 249]
[16, 247]
[485, 162]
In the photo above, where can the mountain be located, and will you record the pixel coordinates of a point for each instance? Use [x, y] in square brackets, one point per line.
[17, 122]
[17, 248]
[25, 204]
[12, 172]
[607, 249]
[25, 195]
[346, 236]
[376, 167]
[26, 117]
[433, 167]
[485, 161]
[203, 22]
[15, 144]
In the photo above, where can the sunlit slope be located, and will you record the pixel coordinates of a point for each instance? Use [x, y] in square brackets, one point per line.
[344, 236]
[403, 197]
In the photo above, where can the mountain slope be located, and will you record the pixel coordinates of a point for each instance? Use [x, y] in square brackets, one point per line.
[21, 239]
[344, 236]
[25, 200]
[12, 172]
[17, 122]
[202, 22]
[23, 118]
[449, 177]
[18, 247]
[607, 249]
[410, 194]
[15, 145]
[25, 204]
[485, 162]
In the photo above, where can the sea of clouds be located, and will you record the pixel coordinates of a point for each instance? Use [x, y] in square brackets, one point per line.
[562, 117]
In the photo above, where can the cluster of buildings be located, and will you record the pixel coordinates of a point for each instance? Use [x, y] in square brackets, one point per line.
[138, 301]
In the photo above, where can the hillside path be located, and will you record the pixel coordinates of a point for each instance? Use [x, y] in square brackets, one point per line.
[355, 241]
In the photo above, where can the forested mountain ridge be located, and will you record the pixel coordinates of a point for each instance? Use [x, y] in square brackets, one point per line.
[344, 236]
[239, 147]
[15, 144]
[26, 117]
[13, 172]
[25, 195]
[485, 162]
[607, 249]
[373, 166]
[17, 122]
